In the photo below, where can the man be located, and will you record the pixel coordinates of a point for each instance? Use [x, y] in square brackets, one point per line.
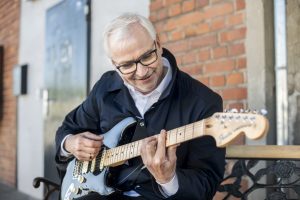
[148, 86]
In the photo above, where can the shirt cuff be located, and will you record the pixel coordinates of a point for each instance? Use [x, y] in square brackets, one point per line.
[170, 187]
[64, 152]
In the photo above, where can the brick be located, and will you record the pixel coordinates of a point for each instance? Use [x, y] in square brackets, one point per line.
[204, 55]
[220, 52]
[192, 70]
[184, 20]
[156, 5]
[240, 4]
[162, 14]
[218, 10]
[188, 58]
[153, 17]
[174, 10]
[203, 41]
[235, 78]
[235, 19]
[201, 3]
[170, 2]
[191, 31]
[177, 35]
[232, 35]
[241, 63]
[202, 28]
[176, 47]
[219, 66]
[217, 81]
[204, 80]
[188, 6]
[234, 93]
[236, 49]
[217, 24]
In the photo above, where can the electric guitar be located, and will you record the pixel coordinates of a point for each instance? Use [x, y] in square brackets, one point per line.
[83, 177]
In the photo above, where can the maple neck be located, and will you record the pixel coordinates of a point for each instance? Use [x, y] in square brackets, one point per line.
[131, 150]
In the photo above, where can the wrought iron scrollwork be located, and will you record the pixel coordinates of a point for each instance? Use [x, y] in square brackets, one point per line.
[285, 173]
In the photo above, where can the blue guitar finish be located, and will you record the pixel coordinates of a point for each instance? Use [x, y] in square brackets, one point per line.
[80, 179]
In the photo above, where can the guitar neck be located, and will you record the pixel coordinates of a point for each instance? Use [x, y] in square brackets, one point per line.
[125, 152]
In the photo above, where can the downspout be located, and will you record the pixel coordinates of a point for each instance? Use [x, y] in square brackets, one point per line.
[281, 72]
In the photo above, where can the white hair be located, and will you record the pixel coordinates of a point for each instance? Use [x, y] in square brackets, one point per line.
[120, 27]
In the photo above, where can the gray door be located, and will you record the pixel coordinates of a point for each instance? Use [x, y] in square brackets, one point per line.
[66, 69]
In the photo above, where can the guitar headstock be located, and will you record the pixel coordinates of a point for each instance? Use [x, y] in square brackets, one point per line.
[225, 127]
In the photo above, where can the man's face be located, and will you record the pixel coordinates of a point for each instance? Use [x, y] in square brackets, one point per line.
[132, 48]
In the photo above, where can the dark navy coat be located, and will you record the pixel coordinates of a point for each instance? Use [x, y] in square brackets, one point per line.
[200, 164]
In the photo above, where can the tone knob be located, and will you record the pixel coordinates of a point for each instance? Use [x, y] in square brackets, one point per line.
[81, 179]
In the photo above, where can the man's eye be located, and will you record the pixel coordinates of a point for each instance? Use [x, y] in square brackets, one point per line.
[147, 57]
[125, 66]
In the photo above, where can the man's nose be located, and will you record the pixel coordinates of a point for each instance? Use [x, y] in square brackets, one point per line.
[141, 70]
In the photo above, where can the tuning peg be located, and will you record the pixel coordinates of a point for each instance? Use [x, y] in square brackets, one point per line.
[247, 111]
[234, 110]
[263, 112]
[254, 111]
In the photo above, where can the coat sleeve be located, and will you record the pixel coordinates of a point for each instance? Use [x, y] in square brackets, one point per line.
[83, 118]
[205, 166]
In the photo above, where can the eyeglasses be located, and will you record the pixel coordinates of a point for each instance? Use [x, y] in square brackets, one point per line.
[146, 59]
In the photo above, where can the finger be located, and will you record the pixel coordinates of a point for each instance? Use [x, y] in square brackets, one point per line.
[83, 156]
[161, 145]
[171, 153]
[148, 150]
[87, 142]
[92, 136]
[93, 151]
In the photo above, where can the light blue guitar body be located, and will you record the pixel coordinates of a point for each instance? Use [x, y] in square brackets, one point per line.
[80, 179]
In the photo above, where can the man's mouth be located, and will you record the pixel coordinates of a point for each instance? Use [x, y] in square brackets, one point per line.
[144, 78]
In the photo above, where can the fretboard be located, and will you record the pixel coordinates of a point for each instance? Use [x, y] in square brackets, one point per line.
[175, 136]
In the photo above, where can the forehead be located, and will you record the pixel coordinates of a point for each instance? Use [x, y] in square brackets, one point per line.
[131, 45]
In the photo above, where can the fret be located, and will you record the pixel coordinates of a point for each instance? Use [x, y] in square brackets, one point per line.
[109, 156]
[189, 132]
[180, 134]
[136, 148]
[93, 164]
[168, 138]
[85, 166]
[199, 129]
[127, 151]
[173, 134]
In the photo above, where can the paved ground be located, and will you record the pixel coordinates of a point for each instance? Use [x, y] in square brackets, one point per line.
[9, 193]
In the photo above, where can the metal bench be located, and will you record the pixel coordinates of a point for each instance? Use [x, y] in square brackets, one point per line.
[253, 172]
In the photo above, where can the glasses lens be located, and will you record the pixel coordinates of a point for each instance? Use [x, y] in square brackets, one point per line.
[149, 58]
[127, 68]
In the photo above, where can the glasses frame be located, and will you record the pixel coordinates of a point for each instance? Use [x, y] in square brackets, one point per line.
[139, 61]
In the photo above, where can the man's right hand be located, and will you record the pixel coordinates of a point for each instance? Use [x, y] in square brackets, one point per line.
[84, 146]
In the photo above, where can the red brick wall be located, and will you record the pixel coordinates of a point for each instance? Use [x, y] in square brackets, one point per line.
[208, 40]
[9, 38]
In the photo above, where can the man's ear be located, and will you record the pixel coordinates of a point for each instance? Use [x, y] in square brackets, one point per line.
[158, 42]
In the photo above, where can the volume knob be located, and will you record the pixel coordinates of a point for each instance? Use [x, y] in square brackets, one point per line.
[81, 179]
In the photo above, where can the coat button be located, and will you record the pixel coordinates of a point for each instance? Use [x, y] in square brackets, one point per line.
[142, 124]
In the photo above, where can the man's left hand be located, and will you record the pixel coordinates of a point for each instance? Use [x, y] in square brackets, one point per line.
[160, 162]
